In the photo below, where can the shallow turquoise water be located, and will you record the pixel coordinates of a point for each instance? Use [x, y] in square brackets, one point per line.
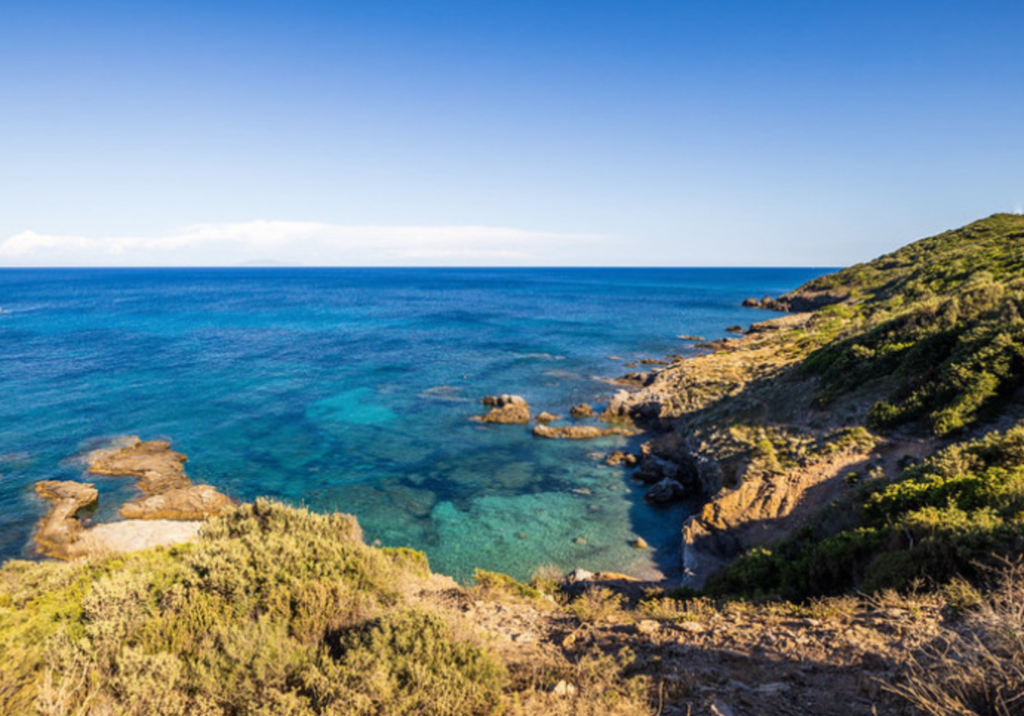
[352, 389]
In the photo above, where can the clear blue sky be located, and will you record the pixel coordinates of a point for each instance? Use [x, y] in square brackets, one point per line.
[503, 131]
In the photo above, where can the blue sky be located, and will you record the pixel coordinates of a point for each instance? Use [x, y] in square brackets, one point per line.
[502, 131]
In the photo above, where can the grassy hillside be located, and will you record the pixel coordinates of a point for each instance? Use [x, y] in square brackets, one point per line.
[936, 324]
[932, 336]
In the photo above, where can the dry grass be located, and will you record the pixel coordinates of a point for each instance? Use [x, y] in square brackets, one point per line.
[981, 672]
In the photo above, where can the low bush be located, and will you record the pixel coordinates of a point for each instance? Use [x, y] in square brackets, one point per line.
[273, 610]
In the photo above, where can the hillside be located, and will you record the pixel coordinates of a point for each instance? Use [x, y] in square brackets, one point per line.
[276, 611]
[862, 443]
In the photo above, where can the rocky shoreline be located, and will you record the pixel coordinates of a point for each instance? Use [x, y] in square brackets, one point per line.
[689, 452]
[736, 428]
[170, 510]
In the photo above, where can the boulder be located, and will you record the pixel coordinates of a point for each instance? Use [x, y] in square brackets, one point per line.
[506, 409]
[546, 417]
[618, 457]
[668, 490]
[581, 411]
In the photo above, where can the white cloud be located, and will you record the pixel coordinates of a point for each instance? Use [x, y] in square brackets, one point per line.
[306, 244]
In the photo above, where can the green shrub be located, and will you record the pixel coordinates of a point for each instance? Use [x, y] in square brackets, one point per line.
[272, 611]
[494, 584]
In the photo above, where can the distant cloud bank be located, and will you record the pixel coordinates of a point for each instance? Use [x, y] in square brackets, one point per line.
[307, 244]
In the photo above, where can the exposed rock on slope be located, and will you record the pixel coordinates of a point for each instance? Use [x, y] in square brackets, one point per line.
[796, 302]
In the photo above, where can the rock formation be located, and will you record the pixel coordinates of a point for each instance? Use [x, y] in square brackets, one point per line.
[668, 490]
[169, 494]
[796, 302]
[59, 531]
[618, 457]
[182, 503]
[578, 432]
[581, 411]
[157, 466]
[505, 409]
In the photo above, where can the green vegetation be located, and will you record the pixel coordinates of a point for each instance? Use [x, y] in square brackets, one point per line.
[931, 337]
[936, 325]
[946, 517]
[273, 611]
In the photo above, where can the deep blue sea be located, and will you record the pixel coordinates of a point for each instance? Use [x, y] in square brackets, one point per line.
[351, 390]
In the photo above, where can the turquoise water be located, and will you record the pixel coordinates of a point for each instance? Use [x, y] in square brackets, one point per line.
[351, 390]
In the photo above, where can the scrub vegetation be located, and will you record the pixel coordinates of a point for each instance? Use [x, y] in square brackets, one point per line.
[273, 611]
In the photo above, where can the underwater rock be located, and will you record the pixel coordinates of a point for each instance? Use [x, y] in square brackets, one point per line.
[577, 432]
[59, 530]
[506, 409]
[618, 457]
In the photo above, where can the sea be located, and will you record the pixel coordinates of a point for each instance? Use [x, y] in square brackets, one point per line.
[353, 390]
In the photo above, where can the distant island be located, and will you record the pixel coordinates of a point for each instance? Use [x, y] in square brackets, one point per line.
[859, 466]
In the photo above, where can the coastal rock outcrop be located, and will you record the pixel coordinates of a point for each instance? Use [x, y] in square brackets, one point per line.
[633, 380]
[157, 466]
[170, 511]
[505, 408]
[668, 490]
[546, 417]
[169, 493]
[583, 410]
[59, 531]
[797, 302]
[578, 432]
[194, 502]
